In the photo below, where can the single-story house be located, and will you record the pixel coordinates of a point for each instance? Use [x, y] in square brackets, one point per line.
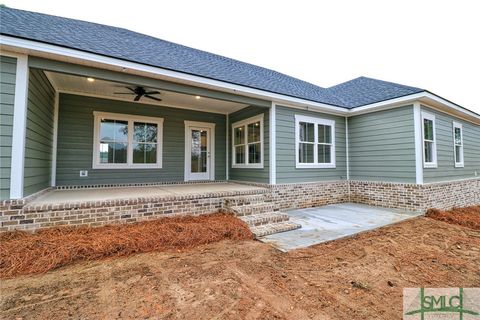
[86, 106]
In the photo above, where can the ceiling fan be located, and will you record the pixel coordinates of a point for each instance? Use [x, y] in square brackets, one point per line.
[140, 92]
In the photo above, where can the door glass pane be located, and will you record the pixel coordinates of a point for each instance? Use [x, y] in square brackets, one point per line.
[111, 152]
[240, 155]
[145, 153]
[307, 133]
[305, 153]
[254, 132]
[144, 132]
[254, 153]
[324, 154]
[239, 135]
[324, 134]
[428, 129]
[199, 152]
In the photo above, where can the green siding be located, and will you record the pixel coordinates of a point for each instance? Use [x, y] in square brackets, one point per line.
[8, 68]
[247, 174]
[445, 153]
[382, 146]
[75, 138]
[285, 129]
[39, 134]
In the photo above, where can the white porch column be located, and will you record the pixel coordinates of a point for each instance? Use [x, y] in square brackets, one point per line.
[417, 120]
[273, 142]
[19, 128]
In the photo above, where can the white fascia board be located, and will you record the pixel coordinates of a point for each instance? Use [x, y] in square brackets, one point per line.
[124, 66]
[27, 46]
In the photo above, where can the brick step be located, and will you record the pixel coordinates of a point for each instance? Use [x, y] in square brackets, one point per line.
[244, 200]
[271, 228]
[264, 218]
[252, 209]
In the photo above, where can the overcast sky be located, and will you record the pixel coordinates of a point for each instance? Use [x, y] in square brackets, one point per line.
[429, 44]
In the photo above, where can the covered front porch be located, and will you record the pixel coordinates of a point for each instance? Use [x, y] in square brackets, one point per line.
[88, 127]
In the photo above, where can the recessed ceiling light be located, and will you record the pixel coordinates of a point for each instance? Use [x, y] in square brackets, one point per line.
[197, 97]
[90, 79]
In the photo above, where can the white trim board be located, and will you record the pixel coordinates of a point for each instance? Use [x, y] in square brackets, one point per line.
[417, 125]
[20, 104]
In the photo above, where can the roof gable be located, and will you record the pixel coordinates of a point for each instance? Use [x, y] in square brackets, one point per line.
[362, 91]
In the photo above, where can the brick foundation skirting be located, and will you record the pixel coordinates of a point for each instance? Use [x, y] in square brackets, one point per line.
[414, 197]
[19, 215]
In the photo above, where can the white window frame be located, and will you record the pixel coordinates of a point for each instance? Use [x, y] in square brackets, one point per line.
[244, 123]
[98, 116]
[431, 117]
[458, 164]
[316, 122]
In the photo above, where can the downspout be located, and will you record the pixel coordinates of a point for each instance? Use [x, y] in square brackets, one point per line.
[347, 150]
[227, 167]
[273, 142]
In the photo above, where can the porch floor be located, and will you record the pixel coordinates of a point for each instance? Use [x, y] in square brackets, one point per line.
[58, 196]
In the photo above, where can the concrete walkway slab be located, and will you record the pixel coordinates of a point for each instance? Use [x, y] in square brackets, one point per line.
[333, 222]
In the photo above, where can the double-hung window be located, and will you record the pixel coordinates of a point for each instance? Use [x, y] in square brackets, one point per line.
[127, 141]
[247, 143]
[458, 144]
[314, 142]
[429, 142]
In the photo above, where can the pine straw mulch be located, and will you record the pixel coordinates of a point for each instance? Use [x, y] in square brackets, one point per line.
[468, 216]
[28, 253]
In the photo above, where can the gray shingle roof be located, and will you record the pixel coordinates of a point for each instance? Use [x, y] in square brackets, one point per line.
[132, 46]
[362, 91]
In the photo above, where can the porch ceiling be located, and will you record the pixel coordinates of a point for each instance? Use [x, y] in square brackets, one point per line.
[106, 89]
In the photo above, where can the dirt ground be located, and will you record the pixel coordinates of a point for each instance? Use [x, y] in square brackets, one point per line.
[355, 278]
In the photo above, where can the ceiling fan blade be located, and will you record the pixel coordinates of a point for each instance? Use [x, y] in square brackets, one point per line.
[137, 97]
[122, 93]
[131, 89]
[153, 98]
[152, 92]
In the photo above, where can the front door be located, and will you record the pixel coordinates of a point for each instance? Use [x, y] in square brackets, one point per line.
[198, 152]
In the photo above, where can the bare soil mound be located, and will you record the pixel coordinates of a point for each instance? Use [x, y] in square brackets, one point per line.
[468, 216]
